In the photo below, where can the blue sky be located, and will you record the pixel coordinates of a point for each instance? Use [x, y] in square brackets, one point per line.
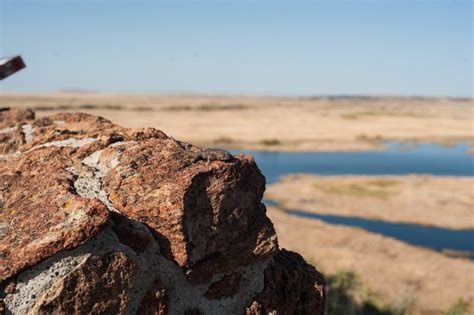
[245, 47]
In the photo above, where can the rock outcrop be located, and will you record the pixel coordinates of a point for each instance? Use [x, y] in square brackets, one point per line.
[100, 219]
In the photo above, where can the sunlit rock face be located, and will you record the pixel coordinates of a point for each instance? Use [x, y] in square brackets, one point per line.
[97, 218]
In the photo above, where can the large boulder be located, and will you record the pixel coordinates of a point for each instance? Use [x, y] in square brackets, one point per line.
[100, 219]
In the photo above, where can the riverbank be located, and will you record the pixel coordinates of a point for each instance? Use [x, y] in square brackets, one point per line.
[273, 123]
[398, 273]
[419, 199]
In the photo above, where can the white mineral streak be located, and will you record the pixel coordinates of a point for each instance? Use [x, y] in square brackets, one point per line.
[28, 131]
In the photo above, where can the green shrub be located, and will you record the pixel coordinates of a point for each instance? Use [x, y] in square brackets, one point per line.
[460, 307]
[270, 142]
[347, 295]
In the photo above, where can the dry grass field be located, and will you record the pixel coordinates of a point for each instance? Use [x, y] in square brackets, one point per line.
[428, 200]
[395, 272]
[273, 123]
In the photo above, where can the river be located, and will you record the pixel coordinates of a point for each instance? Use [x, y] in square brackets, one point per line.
[398, 159]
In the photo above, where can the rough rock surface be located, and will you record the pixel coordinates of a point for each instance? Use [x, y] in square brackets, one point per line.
[100, 219]
[291, 287]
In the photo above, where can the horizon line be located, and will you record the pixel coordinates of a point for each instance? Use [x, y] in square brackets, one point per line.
[231, 94]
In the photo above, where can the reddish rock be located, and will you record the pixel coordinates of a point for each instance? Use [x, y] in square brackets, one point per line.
[78, 126]
[90, 210]
[39, 216]
[10, 117]
[100, 285]
[291, 287]
[11, 122]
[9, 287]
[155, 301]
[225, 287]
[193, 311]
[128, 235]
[194, 209]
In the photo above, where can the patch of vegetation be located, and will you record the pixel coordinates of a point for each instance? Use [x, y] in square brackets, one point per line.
[357, 115]
[350, 116]
[457, 253]
[371, 139]
[383, 182]
[270, 142]
[215, 106]
[460, 307]
[206, 107]
[347, 295]
[223, 140]
[375, 188]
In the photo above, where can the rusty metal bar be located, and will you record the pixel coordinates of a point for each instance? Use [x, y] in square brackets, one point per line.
[10, 65]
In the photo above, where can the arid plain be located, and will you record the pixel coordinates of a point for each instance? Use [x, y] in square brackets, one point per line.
[428, 281]
[440, 201]
[273, 123]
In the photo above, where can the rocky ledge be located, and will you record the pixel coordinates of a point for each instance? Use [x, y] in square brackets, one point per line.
[97, 218]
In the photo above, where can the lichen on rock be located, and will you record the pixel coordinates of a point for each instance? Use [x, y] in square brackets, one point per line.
[97, 218]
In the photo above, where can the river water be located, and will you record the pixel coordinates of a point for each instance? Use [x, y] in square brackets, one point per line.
[398, 159]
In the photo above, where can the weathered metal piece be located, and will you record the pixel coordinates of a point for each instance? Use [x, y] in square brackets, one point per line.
[10, 65]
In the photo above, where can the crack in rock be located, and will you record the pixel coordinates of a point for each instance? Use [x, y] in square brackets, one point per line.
[88, 184]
